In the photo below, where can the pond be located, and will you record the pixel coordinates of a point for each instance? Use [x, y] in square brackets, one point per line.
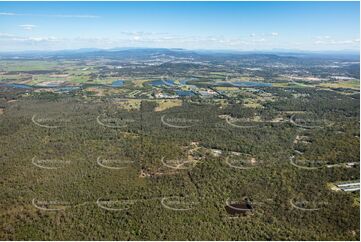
[159, 83]
[182, 93]
[118, 83]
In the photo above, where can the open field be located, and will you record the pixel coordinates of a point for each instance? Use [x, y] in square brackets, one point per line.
[166, 104]
[354, 84]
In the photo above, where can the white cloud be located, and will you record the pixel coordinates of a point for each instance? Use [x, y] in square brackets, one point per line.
[327, 40]
[326, 37]
[9, 41]
[41, 39]
[260, 40]
[273, 34]
[5, 35]
[28, 26]
[7, 14]
[12, 38]
[142, 33]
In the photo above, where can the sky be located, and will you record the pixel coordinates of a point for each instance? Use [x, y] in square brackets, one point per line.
[242, 26]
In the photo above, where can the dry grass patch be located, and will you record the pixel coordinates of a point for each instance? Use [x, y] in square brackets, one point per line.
[131, 104]
[139, 83]
[167, 103]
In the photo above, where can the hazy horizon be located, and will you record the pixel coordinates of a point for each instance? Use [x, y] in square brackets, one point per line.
[198, 50]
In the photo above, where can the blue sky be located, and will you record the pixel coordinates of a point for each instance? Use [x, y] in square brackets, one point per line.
[191, 25]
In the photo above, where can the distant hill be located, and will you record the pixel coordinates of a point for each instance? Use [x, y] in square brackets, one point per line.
[146, 53]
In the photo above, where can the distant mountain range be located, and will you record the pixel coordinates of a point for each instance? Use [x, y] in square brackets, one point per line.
[173, 52]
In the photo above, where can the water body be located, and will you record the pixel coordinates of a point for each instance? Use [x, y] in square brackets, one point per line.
[67, 89]
[182, 93]
[14, 85]
[183, 82]
[170, 83]
[251, 84]
[115, 84]
[118, 83]
[50, 85]
[244, 84]
[159, 83]
[63, 89]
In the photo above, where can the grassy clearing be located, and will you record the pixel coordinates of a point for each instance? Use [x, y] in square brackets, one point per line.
[130, 104]
[352, 84]
[251, 103]
[98, 92]
[139, 83]
[227, 88]
[166, 104]
[280, 84]
[79, 79]
[27, 65]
